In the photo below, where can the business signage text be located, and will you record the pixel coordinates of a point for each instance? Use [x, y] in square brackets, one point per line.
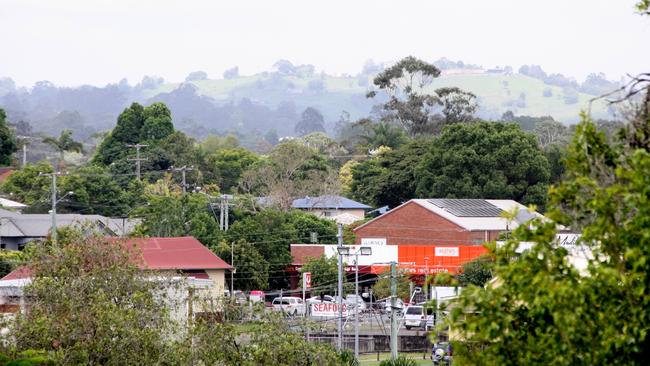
[328, 309]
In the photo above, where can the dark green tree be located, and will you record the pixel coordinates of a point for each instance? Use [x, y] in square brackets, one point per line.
[252, 269]
[127, 131]
[324, 274]
[390, 178]
[89, 303]
[482, 160]
[227, 166]
[29, 187]
[95, 192]
[311, 120]
[7, 140]
[476, 272]
[272, 232]
[545, 310]
[384, 134]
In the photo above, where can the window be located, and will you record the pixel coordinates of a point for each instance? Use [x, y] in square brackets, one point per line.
[414, 310]
[327, 213]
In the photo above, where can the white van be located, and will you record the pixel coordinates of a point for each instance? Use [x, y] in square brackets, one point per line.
[419, 316]
[289, 305]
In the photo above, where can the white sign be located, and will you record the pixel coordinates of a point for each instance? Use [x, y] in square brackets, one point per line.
[373, 241]
[327, 309]
[446, 251]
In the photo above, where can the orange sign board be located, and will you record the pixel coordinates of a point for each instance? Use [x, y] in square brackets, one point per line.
[420, 259]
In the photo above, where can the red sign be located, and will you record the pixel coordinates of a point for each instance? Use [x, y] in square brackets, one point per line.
[327, 309]
[306, 278]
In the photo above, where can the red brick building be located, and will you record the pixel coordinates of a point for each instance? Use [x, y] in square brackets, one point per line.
[439, 235]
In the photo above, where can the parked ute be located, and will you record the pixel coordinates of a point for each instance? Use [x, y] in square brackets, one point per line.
[289, 305]
[418, 316]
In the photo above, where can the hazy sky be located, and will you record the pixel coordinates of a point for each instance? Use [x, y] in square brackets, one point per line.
[96, 42]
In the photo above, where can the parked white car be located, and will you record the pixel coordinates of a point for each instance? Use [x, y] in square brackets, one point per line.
[418, 316]
[350, 300]
[289, 305]
[318, 299]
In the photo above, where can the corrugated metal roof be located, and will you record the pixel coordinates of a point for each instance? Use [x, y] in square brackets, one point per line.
[178, 253]
[328, 202]
[39, 225]
[470, 223]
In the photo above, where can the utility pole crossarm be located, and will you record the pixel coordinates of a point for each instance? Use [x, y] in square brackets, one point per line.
[183, 170]
[137, 159]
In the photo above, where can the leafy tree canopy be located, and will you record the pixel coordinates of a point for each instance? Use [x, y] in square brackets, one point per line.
[311, 120]
[482, 160]
[544, 310]
[136, 124]
[324, 274]
[7, 140]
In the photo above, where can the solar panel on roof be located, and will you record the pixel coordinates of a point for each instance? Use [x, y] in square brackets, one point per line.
[467, 207]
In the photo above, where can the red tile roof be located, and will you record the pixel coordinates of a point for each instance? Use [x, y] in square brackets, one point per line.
[302, 253]
[5, 172]
[180, 253]
[177, 253]
[18, 273]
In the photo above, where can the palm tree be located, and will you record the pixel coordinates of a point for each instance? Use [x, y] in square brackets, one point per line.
[64, 143]
[384, 134]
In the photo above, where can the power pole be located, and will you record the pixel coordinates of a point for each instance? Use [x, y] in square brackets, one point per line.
[340, 287]
[137, 157]
[183, 169]
[393, 313]
[54, 202]
[24, 155]
[223, 225]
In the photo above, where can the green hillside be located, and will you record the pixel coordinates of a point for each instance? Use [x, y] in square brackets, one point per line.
[497, 93]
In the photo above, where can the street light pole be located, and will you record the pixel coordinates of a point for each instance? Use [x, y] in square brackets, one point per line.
[356, 305]
[393, 313]
[340, 287]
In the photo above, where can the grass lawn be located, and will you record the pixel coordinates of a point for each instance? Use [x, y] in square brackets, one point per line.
[371, 359]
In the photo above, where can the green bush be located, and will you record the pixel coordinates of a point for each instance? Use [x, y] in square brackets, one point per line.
[399, 361]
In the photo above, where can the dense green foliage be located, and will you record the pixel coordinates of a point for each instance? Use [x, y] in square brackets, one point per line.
[475, 160]
[272, 232]
[484, 160]
[544, 310]
[7, 141]
[399, 361]
[91, 304]
[136, 124]
[324, 274]
[476, 272]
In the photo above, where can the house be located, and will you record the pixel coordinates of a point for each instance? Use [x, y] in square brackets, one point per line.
[11, 205]
[332, 207]
[18, 229]
[178, 257]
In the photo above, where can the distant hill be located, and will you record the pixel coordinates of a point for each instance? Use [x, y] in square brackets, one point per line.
[497, 94]
[256, 104]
